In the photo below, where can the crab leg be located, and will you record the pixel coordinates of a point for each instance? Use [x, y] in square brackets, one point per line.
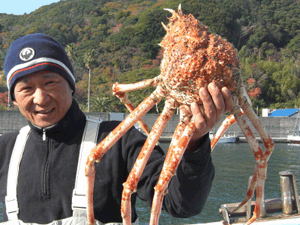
[124, 99]
[173, 158]
[268, 143]
[120, 91]
[265, 137]
[97, 153]
[184, 120]
[131, 183]
[123, 88]
[224, 126]
[261, 165]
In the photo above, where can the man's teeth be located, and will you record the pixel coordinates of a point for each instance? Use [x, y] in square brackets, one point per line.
[47, 111]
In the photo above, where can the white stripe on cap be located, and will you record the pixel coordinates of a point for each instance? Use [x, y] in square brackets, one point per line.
[35, 62]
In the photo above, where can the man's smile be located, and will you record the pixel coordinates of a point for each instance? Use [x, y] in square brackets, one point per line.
[45, 112]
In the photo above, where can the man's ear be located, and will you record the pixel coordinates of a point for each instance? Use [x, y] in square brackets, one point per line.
[15, 102]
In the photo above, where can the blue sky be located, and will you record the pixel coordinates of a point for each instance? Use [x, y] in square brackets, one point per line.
[19, 7]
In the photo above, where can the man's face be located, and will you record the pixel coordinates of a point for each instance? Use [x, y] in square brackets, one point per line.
[43, 97]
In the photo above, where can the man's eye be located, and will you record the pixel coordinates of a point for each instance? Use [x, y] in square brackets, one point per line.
[49, 82]
[26, 88]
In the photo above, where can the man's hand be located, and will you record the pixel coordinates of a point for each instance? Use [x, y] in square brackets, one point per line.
[216, 102]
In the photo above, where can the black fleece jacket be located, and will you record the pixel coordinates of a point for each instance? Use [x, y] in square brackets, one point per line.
[48, 168]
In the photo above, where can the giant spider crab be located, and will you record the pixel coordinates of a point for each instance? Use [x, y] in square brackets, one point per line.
[193, 58]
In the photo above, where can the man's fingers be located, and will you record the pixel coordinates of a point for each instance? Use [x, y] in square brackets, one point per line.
[227, 99]
[215, 102]
[217, 98]
[199, 119]
[209, 107]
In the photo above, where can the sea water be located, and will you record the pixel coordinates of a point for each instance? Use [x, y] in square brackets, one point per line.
[234, 163]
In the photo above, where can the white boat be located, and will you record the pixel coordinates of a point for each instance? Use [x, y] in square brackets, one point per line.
[229, 137]
[294, 137]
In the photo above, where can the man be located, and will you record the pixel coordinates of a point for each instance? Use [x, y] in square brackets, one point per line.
[41, 83]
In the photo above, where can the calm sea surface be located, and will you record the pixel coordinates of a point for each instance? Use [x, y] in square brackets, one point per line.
[234, 164]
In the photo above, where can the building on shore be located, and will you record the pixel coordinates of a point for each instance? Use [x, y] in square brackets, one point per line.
[280, 112]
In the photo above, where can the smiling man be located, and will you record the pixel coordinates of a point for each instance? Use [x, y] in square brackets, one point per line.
[41, 166]
[43, 97]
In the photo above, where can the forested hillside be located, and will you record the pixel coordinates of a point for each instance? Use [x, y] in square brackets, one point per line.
[118, 42]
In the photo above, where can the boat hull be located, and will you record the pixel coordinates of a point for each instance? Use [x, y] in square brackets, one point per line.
[294, 139]
[228, 140]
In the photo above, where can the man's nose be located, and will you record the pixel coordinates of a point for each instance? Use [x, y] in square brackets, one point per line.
[40, 96]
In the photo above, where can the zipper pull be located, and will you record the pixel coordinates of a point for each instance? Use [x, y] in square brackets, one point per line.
[44, 135]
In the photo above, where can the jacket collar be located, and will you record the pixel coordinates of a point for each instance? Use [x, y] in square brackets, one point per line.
[65, 127]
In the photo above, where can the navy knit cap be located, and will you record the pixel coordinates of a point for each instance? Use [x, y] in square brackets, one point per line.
[33, 53]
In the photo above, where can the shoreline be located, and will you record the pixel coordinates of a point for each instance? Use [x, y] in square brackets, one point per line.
[241, 139]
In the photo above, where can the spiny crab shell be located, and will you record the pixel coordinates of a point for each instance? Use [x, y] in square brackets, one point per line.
[193, 58]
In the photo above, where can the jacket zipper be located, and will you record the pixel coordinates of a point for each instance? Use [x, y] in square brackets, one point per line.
[44, 134]
[46, 171]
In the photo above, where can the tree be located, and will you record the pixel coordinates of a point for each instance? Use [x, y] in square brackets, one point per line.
[102, 104]
[71, 50]
[89, 60]
[4, 99]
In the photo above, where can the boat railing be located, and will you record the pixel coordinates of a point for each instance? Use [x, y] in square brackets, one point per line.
[294, 132]
[226, 134]
[287, 205]
[229, 134]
